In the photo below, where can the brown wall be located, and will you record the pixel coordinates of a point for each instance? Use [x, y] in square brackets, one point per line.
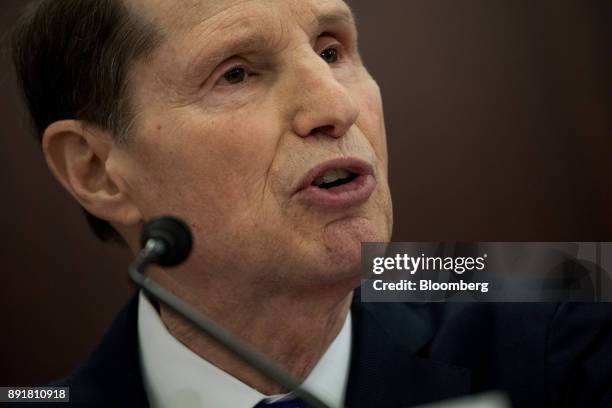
[498, 116]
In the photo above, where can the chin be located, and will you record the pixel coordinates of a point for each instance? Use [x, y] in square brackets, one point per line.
[342, 244]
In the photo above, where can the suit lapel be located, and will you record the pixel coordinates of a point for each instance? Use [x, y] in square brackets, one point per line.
[111, 375]
[387, 369]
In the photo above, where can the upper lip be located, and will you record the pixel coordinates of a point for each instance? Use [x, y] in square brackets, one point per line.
[351, 164]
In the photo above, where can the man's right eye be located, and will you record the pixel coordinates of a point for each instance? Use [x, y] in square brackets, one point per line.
[235, 75]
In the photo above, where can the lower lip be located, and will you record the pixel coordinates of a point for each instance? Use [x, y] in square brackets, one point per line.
[347, 195]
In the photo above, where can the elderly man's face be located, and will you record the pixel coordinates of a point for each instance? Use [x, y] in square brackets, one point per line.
[244, 110]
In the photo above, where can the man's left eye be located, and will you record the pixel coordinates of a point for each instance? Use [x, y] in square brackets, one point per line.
[235, 75]
[330, 55]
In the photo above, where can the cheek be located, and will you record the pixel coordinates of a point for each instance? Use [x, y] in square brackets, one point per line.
[208, 169]
[371, 119]
[372, 123]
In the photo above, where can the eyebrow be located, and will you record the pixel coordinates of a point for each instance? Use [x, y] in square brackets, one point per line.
[342, 15]
[254, 41]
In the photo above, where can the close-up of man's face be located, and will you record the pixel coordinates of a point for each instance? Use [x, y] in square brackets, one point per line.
[233, 154]
[257, 122]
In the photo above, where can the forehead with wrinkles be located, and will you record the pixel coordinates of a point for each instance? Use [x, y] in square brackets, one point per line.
[173, 16]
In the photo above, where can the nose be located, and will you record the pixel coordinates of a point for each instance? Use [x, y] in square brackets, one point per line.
[322, 104]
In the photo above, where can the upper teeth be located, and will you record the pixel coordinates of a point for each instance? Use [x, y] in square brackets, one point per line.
[332, 175]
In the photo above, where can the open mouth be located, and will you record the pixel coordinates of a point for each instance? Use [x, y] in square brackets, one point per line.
[338, 183]
[334, 178]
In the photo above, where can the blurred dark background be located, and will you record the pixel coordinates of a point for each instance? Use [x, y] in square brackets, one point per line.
[499, 125]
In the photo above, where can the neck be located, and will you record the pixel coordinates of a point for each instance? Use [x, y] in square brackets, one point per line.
[292, 329]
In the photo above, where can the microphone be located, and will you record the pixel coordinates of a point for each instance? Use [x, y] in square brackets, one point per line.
[167, 241]
[172, 237]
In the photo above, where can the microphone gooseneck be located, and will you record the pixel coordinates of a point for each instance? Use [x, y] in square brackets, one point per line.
[167, 241]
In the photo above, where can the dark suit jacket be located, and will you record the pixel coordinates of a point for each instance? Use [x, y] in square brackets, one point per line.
[542, 355]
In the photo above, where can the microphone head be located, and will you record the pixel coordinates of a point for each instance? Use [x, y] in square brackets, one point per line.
[175, 235]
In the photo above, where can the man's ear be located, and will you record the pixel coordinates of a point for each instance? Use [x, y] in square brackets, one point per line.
[77, 155]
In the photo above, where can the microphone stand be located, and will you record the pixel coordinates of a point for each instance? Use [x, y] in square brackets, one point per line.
[152, 250]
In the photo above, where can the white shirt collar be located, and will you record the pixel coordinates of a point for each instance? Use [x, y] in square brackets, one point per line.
[174, 376]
